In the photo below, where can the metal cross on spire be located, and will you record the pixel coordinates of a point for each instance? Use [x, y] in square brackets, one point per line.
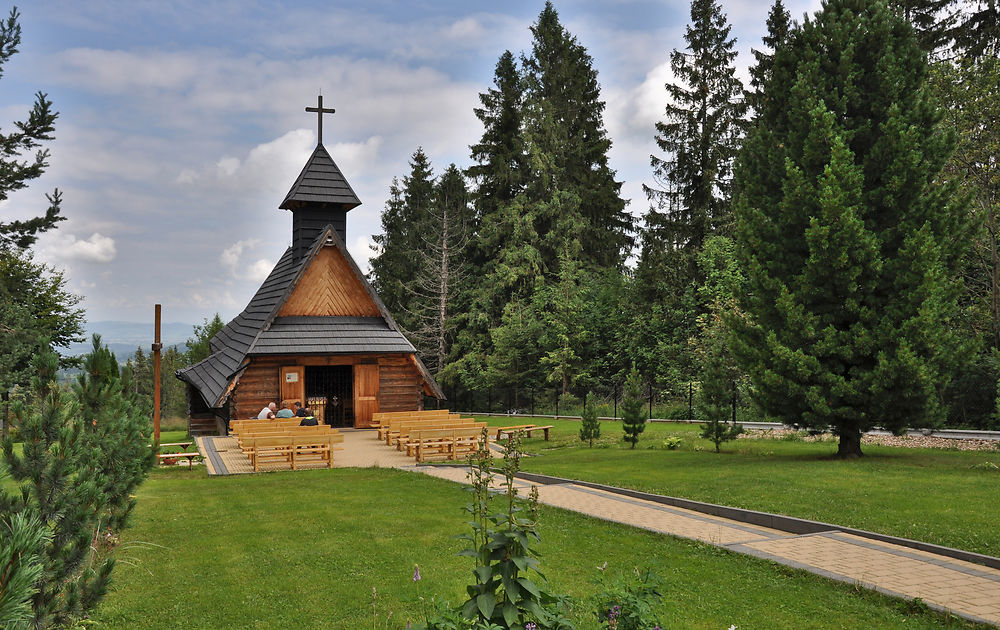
[319, 109]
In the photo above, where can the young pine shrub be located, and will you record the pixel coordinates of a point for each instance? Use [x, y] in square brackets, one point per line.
[633, 421]
[590, 426]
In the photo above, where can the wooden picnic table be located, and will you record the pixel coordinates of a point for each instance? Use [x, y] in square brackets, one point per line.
[188, 455]
[183, 445]
[527, 428]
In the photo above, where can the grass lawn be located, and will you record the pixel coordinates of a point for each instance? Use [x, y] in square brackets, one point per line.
[934, 495]
[306, 550]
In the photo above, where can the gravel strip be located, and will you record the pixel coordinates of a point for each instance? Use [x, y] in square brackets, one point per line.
[879, 440]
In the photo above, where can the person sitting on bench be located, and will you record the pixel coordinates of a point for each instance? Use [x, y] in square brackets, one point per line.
[308, 420]
[267, 413]
[300, 411]
[285, 412]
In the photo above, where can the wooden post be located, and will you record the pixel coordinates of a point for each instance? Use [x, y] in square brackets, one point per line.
[156, 375]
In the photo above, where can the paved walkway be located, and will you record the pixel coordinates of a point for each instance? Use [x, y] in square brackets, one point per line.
[966, 589]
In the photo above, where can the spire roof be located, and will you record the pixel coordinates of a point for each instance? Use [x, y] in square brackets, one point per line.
[320, 183]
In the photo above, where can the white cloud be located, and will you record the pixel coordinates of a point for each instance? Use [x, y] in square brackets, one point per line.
[67, 247]
[233, 259]
[361, 251]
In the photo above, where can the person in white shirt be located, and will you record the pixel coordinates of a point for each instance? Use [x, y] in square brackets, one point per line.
[267, 413]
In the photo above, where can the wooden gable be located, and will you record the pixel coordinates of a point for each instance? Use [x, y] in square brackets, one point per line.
[329, 287]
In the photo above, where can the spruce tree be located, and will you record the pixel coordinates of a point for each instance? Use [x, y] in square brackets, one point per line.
[564, 119]
[700, 135]
[590, 426]
[778, 25]
[498, 176]
[849, 241]
[633, 420]
[933, 20]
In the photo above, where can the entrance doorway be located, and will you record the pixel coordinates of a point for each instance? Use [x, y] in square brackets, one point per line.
[335, 384]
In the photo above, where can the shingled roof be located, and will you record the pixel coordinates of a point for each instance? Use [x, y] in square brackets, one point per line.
[320, 182]
[258, 330]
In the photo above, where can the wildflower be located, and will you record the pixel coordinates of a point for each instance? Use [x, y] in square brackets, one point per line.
[603, 566]
[416, 573]
[530, 626]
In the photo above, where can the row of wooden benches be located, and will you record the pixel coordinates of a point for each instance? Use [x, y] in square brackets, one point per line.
[287, 445]
[291, 451]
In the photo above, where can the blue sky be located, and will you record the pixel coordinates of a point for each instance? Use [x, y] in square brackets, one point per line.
[182, 123]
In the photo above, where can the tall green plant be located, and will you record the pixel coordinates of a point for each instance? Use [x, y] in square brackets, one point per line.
[633, 420]
[509, 591]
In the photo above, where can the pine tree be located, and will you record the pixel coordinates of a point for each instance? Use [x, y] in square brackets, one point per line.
[564, 119]
[499, 175]
[590, 426]
[59, 485]
[117, 433]
[849, 243]
[22, 542]
[700, 135]
[633, 420]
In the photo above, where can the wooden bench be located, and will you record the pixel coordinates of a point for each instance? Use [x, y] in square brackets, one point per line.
[186, 455]
[292, 450]
[446, 443]
[527, 429]
[244, 438]
[391, 419]
[400, 437]
[413, 436]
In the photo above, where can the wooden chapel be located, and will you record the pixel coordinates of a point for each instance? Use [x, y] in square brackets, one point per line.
[315, 331]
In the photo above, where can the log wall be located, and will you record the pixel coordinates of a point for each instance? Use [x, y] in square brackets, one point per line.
[400, 384]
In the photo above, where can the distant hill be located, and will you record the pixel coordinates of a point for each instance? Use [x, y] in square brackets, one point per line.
[124, 337]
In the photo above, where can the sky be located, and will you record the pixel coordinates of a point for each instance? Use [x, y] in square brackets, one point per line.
[182, 122]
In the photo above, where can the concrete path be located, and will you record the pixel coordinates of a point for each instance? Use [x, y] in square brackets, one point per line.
[969, 590]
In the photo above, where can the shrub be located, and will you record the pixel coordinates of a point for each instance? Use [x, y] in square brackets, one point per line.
[626, 601]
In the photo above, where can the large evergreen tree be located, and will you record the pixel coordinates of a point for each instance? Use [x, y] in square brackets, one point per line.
[564, 119]
[778, 25]
[403, 219]
[700, 136]
[849, 241]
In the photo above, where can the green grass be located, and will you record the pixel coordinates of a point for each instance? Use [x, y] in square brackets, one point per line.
[933, 495]
[305, 550]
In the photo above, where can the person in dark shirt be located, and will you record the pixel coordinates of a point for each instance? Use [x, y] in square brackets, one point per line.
[308, 420]
[300, 411]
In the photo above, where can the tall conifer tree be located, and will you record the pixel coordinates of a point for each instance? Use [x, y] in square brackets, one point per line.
[778, 25]
[700, 135]
[564, 118]
[849, 243]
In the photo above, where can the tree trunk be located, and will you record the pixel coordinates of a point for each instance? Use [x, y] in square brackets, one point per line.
[850, 444]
